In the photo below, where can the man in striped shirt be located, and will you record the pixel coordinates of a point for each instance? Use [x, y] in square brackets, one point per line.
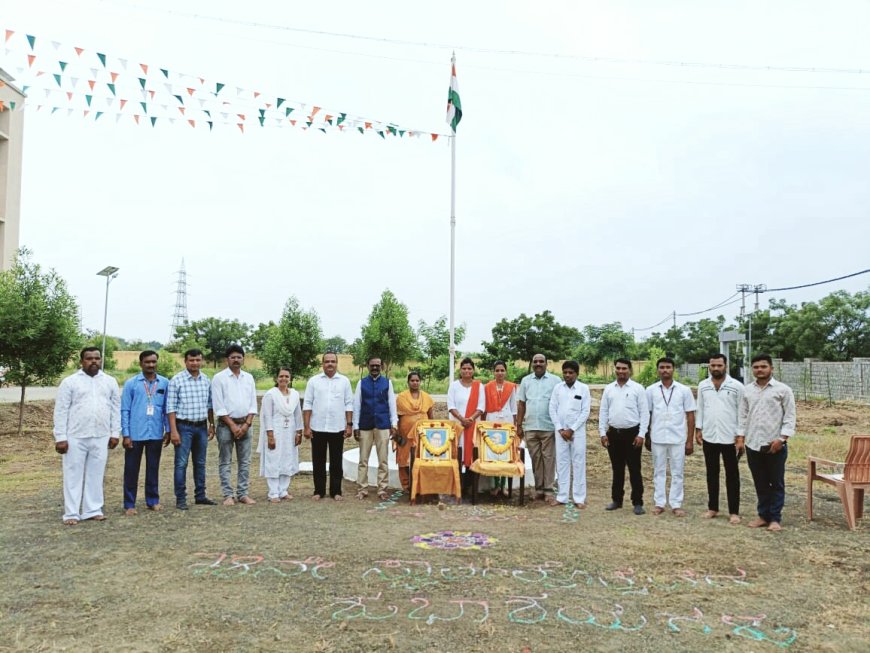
[765, 422]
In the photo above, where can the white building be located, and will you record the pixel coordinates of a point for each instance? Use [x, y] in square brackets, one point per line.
[11, 138]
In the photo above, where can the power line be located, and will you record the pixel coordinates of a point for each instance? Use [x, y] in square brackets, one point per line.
[819, 283]
[525, 53]
[712, 308]
[667, 317]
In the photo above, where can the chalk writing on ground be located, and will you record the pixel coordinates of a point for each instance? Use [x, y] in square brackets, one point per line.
[528, 610]
[414, 575]
[223, 565]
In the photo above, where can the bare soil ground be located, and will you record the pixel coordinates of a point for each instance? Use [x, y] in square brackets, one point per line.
[329, 576]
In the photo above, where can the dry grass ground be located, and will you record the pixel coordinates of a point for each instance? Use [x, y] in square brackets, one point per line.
[328, 576]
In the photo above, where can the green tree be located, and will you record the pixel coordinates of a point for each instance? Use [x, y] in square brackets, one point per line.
[335, 344]
[39, 329]
[604, 343]
[700, 340]
[260, 336]
[671, 342]
[649, 374]
[524, 336]
[94, 338]
[433, 341]
[296, 342]
[388, 333]
[213, 335]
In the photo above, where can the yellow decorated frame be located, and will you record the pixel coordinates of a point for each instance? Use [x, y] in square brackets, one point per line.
[436, 470]
[497, 450]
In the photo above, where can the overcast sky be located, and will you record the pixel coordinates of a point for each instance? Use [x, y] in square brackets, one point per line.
[601, 190]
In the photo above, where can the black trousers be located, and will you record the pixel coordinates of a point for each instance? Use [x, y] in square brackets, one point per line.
[712, 452]
[320, 442]
[624, 454]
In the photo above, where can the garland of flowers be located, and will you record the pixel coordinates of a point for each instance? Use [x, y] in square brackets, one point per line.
[435, 452]
[494, 446]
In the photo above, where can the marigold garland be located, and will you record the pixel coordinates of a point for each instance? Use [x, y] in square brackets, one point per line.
[494, 446]
[435, 452]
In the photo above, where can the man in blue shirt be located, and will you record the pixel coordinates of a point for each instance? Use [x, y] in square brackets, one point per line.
[145, 428]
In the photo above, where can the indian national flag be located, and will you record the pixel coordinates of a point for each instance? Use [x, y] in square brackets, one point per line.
[454, 106]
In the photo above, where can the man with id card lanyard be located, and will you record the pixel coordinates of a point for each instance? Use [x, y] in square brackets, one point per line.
[672, 426]
[145, 428]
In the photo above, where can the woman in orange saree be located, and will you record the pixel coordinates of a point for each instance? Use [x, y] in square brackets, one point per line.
[412, 405]
[501, 407]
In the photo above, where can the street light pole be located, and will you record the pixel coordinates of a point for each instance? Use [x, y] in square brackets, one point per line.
[110, 272]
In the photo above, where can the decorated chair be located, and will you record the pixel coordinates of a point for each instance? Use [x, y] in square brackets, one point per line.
[434, 461]
[497, 452]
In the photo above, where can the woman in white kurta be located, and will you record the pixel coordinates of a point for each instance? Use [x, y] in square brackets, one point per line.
[280, 436]
[465, 404]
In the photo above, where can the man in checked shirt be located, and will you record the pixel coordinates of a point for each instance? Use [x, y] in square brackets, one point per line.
[765, 423]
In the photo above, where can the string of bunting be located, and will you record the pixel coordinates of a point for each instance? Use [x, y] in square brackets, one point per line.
[74, 80]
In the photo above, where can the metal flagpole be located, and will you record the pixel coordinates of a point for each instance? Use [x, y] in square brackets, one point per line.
[452, 251]
[452, 241]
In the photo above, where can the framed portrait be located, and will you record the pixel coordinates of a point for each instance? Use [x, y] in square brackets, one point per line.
[497, 443]
[439, 444]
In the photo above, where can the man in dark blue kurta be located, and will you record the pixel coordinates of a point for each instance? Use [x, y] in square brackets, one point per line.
[374, 421]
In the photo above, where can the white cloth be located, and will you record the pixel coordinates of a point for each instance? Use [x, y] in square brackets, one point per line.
[278, 486]
[664, 456]
[283, 416]
[507, 413]
[87, 407]
[328, 399]
[235, 396]
[623, 407]
[717, 410]
[391, 400]
[668, 408]
[569, 407]
[458, 396]
[84, 465]
[571, 466]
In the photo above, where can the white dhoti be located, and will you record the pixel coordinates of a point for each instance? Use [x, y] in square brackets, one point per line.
[84, 465]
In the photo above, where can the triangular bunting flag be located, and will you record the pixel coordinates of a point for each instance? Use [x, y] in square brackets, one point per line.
[218, 86]
[91, 83]
[288, 111]
[57, 79]
[97, 117]
[9, 34]
[144, 107]
[241, 127]
[192, 123]
[79, 51]
[30, 59]
[123, 102]
[102, 58]
[69, 95]
[111, 88]
[341, 118]
[31, 40]
[55, 45]
[279, 103]
[434, 137]
[53, 109]
[210, 124]
[114, 76]
[86, 113]
[165, 72]
[94, 72]
[62, 65]
[136, 118]
[142, 82]
[88, 99]
[153, 121]
[144, 68]
[123, 63]
[262, 121]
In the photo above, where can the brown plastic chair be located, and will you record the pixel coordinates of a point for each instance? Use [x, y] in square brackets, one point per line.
[850, 484]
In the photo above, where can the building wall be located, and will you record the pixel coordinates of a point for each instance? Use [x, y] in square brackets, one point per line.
[11, 141]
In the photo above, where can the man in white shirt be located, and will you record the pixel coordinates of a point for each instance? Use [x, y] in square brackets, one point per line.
[569, 409]
[623, 420]
[672, 425]
[719, 398]
[327, 413]
[766, 420]
[87, 423]
[234, 400]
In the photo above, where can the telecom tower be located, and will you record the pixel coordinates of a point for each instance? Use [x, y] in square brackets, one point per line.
[179, 317]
